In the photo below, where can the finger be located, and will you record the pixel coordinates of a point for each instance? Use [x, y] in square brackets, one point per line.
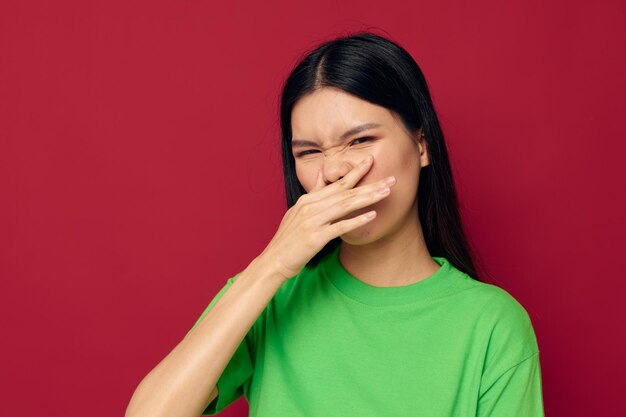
[319, 182]
[348, 180]
[337, 206]
[344, 226]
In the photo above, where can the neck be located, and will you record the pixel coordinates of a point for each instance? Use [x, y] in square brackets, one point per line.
[400, 258]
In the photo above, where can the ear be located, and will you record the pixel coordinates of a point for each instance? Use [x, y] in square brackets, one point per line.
[423, 148]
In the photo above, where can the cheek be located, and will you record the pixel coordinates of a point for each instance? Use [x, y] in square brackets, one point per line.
[408, 166]
[406, 170]
[385, 165]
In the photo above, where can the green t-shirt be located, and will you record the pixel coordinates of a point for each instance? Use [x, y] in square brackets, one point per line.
[328, 344]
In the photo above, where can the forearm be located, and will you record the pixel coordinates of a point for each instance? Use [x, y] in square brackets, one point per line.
[181, 383]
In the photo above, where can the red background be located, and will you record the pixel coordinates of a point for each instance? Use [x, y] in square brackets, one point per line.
[140, 168]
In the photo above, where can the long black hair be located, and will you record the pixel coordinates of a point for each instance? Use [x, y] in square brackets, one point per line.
[380, 71]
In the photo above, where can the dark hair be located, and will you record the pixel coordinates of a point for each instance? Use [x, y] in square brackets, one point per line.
[379, 71]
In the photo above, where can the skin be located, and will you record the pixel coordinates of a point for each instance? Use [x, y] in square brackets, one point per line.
[389, 250]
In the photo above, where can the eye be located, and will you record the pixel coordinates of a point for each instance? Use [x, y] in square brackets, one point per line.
[305, 152]
[364, 138]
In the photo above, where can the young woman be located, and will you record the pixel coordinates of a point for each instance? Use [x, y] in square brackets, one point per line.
[366, 301]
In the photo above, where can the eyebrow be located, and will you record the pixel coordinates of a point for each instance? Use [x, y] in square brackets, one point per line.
[296, 143]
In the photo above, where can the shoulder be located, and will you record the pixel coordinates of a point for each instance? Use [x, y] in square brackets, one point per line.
[508, 334]
[507, 338]
[492, 305]
[502, 323]
[499, 307]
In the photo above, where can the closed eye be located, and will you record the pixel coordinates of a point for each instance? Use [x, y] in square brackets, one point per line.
[362, 139]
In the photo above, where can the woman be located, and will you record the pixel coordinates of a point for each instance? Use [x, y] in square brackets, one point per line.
[366, 301]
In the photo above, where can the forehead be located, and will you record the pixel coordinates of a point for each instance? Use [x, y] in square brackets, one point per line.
[328, 112]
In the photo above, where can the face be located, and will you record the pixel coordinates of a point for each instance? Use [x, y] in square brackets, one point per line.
[319, 121]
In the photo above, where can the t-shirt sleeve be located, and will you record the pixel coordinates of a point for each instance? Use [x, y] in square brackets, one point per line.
[511, 380]
[236, 377]
[516, 393]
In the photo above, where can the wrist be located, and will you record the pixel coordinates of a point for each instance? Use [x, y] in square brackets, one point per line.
[266, 267]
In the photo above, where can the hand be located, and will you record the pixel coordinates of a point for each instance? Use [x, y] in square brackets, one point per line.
[311, 223]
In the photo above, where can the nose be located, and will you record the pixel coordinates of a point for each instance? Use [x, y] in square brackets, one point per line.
[335, 168]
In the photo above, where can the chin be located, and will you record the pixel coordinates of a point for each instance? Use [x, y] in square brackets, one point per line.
[364, 234]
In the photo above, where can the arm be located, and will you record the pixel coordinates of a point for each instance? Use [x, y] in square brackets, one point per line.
[184, 382]
[212, 396]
